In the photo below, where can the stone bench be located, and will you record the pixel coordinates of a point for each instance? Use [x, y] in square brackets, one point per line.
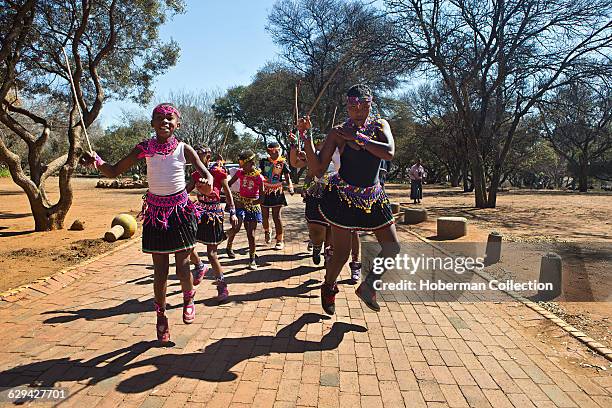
[414, 215]
[451, 227]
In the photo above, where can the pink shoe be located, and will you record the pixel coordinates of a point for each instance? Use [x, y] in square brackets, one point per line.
[199, 273]
[222, 292]
[162, 326]
[188, 307]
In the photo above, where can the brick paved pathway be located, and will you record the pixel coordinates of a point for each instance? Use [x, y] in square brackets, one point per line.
[272, 346]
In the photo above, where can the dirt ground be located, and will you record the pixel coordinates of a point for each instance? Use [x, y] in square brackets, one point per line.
[535, 222]
[26, 255]
[576, 226]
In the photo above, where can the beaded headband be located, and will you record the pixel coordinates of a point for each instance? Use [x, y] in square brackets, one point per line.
[165, 109]
[354, 100]
[247, 159]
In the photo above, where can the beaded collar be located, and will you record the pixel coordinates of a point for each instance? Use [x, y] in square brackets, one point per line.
[151, 147]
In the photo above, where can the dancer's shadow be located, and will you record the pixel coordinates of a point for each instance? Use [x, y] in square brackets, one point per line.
[269, 275]
[270, 293]
[132, 306]
[264, 260]
[214, 363]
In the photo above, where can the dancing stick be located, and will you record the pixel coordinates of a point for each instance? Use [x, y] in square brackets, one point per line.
[334, 117]
[297, 114]
[333, 74]
[76, 99]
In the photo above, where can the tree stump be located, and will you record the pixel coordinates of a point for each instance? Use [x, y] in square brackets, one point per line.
[452, 227]
[414, 215]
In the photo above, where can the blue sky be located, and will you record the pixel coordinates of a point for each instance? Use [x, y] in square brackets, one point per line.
[223, 44]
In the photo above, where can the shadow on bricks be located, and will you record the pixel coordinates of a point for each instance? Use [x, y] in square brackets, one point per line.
[132, 306]
[214, 363]
[300, 291]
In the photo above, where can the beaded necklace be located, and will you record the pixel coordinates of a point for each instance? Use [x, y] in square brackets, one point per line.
[151, 147]
[368, 130]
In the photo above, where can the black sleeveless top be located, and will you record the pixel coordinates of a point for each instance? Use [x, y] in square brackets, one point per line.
[359, 167]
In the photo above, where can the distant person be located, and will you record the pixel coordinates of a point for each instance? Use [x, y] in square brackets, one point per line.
[417, 174]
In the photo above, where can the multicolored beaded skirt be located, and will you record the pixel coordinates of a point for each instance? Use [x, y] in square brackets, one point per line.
[210, 227]
[246, 210]
[355, 208]
[170, 223]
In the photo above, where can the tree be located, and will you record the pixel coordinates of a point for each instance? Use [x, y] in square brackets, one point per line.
[264, 106]
[319, 36]
[199, 123]
[577, 121]
[439, 136]
[118, 142]
[498, 59]
[115, 52]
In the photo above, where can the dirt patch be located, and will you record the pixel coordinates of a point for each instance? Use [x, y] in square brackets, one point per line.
[26, 255]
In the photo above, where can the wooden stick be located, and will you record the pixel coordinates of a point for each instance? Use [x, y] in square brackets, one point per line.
[297, 114]
[334, 117]
[345, 57]
[76, 99]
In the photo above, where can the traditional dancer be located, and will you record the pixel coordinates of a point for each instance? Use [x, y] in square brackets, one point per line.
[210, 228]
[354, 198]
[312, 192]
[170, 218]
[273, 168]
[248, 207]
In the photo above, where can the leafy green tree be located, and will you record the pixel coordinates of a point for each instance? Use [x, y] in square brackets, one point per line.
[114, 51]
[577, 121]
[497, 59]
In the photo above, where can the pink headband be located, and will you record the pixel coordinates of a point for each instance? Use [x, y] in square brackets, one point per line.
[353, 100]
[165, 109]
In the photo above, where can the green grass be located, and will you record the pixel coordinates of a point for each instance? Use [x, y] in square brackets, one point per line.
[4, 172]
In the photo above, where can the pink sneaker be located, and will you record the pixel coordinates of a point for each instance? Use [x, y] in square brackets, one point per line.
[188, 307]
[199, 273]
[222, 292]
[162, 326]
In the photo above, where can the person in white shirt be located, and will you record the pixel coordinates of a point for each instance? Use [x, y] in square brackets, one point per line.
[417, 173]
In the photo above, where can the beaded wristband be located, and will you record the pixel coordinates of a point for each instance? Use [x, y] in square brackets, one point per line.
[304, 136]
[97, 160]
[362, 139]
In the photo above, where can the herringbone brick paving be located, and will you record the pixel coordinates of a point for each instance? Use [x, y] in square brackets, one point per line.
[93, 331]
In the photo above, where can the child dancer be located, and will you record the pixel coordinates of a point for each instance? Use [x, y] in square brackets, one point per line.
[273, 168]
[248, 209]
[170, 218]
[210, 229]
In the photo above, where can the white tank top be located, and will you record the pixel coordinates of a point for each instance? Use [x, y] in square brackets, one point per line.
[236, 186]
[335, 160]
[166, 174]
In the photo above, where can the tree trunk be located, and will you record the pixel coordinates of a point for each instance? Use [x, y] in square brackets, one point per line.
[479, 182]
[583, 177]
[495, 182]
[454, 179]
[46, 218]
